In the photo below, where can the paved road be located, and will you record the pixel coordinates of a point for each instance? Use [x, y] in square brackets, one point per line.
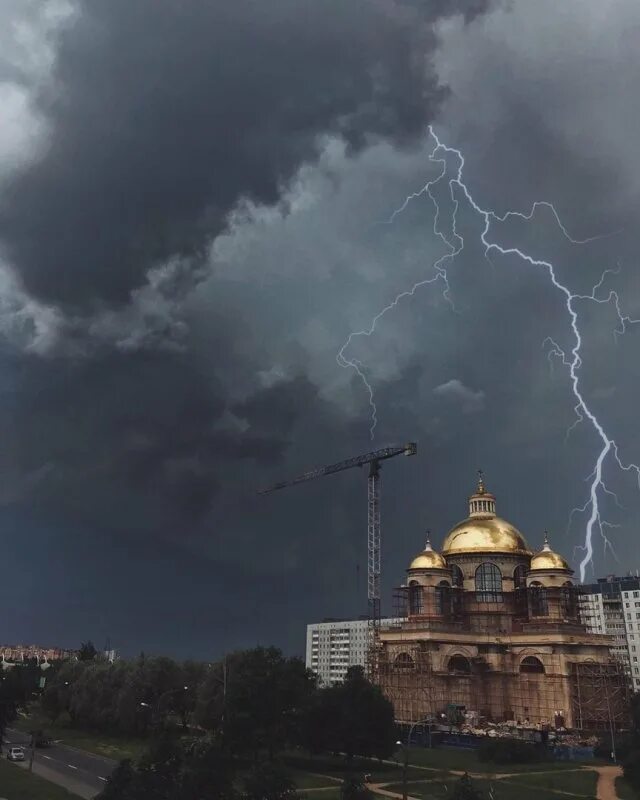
[72, 766]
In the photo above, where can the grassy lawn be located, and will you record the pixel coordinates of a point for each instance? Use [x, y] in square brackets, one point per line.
[19, 784]
[580, 782]
[467, 761]
[306, 780]
[336, 766]
[322, 794]
[624, 791]
[500, 789]
[115, 747]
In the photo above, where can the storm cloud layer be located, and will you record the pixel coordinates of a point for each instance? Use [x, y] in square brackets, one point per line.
[193, 208]
[163, 117]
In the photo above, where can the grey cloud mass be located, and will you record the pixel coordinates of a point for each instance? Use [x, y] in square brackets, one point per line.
[455, 390]
[193, 219]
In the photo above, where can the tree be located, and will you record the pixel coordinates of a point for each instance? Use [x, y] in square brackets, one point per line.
[629, 749]
[265, 698]
[269, 781]
[175, 770]
[87, 651]
[354, 718]
[465, 790]
[8, 712]
[354, 788]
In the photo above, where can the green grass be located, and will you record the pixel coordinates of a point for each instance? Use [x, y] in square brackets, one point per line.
[329, 794]
[115, 747]
[336, 766]
[467, 761]
[579, 782]
[17, 783]
[306, 780]
[624, 791]
[501, 790]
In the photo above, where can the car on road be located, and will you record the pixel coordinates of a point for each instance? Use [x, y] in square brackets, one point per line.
[42, 740]
[15, 754]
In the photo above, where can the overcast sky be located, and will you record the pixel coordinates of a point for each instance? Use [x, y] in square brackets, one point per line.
[194, 217]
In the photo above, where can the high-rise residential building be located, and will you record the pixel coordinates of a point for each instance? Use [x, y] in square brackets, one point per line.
[335, 645]
[612, 606]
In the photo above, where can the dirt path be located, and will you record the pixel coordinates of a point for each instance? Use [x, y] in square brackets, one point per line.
[607, 782]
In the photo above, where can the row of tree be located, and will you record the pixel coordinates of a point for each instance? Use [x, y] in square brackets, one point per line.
[255, 701]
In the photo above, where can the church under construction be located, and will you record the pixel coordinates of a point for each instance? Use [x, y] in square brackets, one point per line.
[491, 628]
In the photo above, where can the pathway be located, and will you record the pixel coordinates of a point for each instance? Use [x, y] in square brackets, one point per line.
[607, 782]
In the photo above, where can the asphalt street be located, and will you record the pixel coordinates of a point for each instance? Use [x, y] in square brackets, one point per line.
[73, 766]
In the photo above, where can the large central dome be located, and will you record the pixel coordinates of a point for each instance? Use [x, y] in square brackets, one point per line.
[490, 535]
[482, 531]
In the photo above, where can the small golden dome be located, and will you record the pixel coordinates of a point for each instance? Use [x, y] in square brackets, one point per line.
[548, 559]
[428, 559]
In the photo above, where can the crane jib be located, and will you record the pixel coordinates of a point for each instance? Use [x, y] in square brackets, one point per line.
[409, 449]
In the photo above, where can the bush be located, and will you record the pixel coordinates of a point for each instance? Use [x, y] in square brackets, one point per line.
[511, 751]
[354, 788]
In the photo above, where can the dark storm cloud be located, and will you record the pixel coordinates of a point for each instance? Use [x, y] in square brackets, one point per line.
[137, 449]
[163, 115]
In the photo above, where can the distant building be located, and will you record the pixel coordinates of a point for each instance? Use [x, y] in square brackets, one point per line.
[111, 655]
[612, 606]
[26, 652]
[335, 645]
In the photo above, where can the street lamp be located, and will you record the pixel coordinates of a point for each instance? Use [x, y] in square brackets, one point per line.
[156, 706]
[405, 764]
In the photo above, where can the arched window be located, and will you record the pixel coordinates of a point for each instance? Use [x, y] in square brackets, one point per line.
[415, 598]
[442, 597]
[569, 602]
[520, 576]
[531, 664]
[403, 661]
[459, 665]
[488, 583]
[457, 578]
[539, 604]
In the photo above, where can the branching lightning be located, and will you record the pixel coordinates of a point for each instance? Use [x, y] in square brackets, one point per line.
[454, 243]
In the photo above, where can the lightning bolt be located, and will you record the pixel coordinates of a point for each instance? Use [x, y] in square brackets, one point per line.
[572, 361]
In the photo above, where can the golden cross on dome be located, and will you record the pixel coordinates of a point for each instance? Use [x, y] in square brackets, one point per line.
[481, 489]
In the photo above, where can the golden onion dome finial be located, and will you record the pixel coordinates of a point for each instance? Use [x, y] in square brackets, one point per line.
[548, 559]
[481, 488]
[428, 559]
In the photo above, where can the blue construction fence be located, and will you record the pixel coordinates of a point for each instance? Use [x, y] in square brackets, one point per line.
[467, 741]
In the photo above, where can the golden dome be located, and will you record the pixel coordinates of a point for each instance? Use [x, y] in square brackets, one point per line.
[482, 531]
[428, 559]
[548, 559]
[490, 535]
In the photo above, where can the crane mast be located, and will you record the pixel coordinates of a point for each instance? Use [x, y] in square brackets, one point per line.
[374, 536]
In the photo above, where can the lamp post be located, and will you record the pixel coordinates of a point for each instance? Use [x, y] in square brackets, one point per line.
[156, 707]
[405, 764]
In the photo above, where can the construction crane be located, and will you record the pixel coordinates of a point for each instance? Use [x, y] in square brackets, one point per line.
[373, 512]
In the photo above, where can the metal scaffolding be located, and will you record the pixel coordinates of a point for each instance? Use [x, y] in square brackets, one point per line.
[520, 658]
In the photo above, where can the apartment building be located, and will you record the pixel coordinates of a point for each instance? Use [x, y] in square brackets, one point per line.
[612, 606]
[335, 645]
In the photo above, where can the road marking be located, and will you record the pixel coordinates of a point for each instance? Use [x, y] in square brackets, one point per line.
[47, 757]
[100, 778]
[71, 766]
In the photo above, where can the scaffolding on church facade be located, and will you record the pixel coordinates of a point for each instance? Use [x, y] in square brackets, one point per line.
[519, 657]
